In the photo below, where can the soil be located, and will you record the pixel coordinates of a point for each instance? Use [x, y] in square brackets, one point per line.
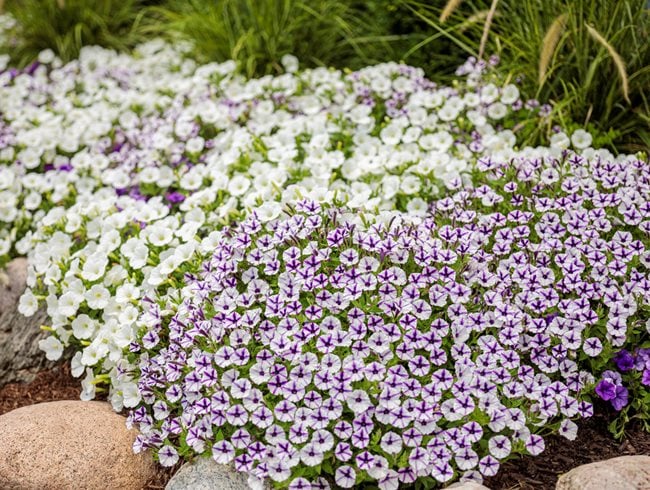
[594, 442]
[51, 385]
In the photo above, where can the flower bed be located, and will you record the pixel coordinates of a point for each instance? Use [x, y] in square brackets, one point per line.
[324, 277]
[402, 351]
[382, 138]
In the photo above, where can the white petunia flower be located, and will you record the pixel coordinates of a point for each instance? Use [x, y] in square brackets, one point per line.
[238, 185]
[581, 139]
[52, 347]
[88, 386]
[97, 297]
[28, 304]
[290, 63]
[68, 304]
[76, 367]
[509, 94]
[131, 395]
[83, 327]
[94, 267]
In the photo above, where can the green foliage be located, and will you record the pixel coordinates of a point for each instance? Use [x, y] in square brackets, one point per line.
[257, 33]
[65, 26]
[408, 37]
[591, 58]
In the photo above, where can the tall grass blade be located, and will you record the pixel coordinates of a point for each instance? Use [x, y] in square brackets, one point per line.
[549, 43]
[449, 9]
[486, 28]
[445, 32]
[618, 61]
[473, 19]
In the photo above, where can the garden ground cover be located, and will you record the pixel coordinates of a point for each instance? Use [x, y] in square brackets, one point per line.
[290, 272]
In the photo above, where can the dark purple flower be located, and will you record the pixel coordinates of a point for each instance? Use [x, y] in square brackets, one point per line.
[621, 397]
[606, 390]
[645, 379]
[624, 360]
[174, 197]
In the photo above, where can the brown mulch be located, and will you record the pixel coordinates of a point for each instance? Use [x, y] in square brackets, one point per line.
[594, 442]
[50, 385]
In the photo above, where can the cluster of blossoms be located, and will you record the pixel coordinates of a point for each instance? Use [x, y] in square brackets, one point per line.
[140, 161]
[388, 351]
[323, 277]
[611, 389]
[61, 128]
[157, 124]
[632, 374]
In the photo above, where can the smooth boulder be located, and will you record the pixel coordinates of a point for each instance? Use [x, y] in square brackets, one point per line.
[622, 473]
[70, 445]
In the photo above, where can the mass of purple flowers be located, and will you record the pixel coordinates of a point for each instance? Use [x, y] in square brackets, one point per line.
[312, 350]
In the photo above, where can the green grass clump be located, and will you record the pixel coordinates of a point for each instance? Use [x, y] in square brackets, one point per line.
[344, 34]
[65, 26]
[257, 33]
[591, 58]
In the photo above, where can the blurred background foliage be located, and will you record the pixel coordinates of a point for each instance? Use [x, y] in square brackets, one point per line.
[589, 58]
[65, 26]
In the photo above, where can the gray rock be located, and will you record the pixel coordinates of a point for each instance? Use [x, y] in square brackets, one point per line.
[205, 474]
[13, 280]
[20, 357]
[622, 473]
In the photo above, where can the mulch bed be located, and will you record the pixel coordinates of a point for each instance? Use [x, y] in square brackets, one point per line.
[50, 385]
[593, 443]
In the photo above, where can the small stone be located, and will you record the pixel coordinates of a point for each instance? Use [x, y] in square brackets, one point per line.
[70, 444]
[205, 474]
[468, 485]
[622, 473]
